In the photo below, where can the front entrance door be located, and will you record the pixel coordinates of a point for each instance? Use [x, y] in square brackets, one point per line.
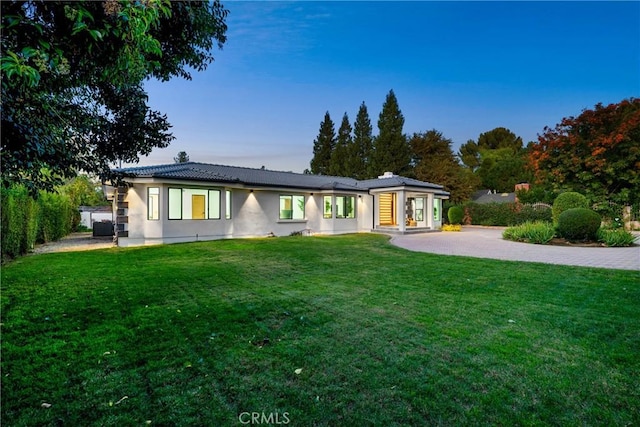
[388, 209]
[197, 206]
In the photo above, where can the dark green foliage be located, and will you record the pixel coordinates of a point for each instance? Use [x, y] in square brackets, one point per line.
[57, 217]
[578, 224]
[618, 237]
[182, 157]
[434, 161]
[504, 214]
[391, 152]
[19, 221]
[323, 147]
[455, 214]
[73, 76]
[340, 157]
[538, 232]
[568, 200]
[362, 144]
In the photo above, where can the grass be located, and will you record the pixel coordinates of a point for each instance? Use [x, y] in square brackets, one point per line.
[197, 334]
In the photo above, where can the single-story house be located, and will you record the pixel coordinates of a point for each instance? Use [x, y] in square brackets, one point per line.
[192, 201]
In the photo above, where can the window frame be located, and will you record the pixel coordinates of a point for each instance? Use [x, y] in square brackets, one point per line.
[155, 204]
[342, 200]
[176, 204]
[293, 198]
[329, 214]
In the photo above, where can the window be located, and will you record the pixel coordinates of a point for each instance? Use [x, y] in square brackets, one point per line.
[345, 207]
[436, 209]
[419, 209]
[194, 203]
[328, 207]
[227, 209]
[153, 203]
[175, 203]
[291, 207]
[214, 204]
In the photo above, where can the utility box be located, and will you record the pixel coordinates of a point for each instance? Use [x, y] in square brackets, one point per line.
[102, 229]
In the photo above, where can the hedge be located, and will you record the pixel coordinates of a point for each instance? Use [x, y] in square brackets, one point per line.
[26, 221]
[504, 214]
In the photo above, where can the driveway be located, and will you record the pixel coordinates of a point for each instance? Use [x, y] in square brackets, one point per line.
[75, 242]
[487, 242]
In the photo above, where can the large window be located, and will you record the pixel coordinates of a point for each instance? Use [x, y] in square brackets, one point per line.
[436, 209]
[328, 207]
[419, 209]
[345, 207]
[291, 207]
[153, 203]
[194, 203]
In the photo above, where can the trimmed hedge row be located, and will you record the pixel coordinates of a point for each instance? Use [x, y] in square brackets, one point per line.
[504, 214]
[26, 221]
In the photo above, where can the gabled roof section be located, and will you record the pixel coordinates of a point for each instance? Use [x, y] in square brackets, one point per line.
[205, 172]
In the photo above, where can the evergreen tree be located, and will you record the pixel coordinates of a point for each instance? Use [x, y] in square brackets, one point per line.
[323, 147]
[391, 149]
[182, 157]
[340, 158]
[360, 157]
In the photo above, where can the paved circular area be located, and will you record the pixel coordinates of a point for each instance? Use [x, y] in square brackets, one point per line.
[487, 242]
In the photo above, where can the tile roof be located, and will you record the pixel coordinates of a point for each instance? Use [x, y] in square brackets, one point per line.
[487, 196]
[193, 171]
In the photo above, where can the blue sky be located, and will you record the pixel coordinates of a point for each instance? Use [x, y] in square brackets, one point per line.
[460, 67]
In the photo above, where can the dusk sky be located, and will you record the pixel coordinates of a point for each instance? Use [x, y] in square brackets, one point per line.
[462, 68]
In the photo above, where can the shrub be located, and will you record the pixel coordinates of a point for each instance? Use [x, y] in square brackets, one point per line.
[455, 214]
[568, 200]
[504, 214]
[578, 224]
[19, 221]
[616, 237]
[530, 232]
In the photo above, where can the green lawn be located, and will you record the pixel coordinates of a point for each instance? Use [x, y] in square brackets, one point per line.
[200, 333]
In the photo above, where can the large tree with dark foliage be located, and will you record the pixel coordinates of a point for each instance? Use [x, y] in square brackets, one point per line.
[73, 72]
[343, 151]
[362, 144]
[434, 161]
[323, 147]
[391, 151]
[596, 153]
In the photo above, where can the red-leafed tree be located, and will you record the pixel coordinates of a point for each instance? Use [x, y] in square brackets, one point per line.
[596, 153]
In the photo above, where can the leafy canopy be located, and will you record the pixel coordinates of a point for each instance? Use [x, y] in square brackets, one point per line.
[73, 74]
[596, 153]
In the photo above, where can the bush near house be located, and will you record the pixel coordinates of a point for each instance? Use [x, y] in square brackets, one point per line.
[578, 224]
[504, 214]
[455, 214]
[568, 200]
[538, 232]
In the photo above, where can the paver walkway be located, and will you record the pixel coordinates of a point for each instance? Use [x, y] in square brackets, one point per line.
[487, 242]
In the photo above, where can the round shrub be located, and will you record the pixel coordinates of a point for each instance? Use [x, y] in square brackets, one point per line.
[455, 214]
[578, 224]
[568, 200]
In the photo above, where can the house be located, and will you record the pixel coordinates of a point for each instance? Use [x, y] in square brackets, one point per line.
[197, 201]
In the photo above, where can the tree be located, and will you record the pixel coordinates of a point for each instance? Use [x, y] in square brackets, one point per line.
[83, 190]
[362, 144]
[343, 151]
[182, 157]
[391, 150]
[323, 147]
[73, 74]
[497, 159]
[434, 161]
[596, 154]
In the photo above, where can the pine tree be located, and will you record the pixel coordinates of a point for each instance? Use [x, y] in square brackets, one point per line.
[323, 147]
[360, 156]
[340, 158]
[391, 148]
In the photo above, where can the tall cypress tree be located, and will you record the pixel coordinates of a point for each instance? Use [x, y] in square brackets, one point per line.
[340, 158]
[360, 156]
[323, 147]
[391, 148]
